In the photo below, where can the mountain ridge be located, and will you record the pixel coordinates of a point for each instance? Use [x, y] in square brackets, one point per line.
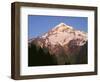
[63, 42]
[62, 35]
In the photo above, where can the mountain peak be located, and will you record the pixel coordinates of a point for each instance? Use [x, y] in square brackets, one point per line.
[62, 26]
[62, 38]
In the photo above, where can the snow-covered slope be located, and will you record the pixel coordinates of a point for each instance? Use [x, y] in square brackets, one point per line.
[61, 39]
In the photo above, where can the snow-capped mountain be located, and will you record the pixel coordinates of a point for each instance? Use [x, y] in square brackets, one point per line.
[62, 38]
[62, 45]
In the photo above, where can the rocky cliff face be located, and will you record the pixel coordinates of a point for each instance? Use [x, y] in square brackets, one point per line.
[63, 43]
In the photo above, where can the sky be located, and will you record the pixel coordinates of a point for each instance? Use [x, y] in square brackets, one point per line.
[39, 24]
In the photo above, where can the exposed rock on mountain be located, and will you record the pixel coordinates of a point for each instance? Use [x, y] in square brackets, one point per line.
[63, 44]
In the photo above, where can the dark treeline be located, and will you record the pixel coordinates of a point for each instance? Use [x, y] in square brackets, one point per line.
[37, 57]
[83, 55]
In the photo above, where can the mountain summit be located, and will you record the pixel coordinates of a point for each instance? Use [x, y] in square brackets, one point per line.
[62, 26]
[61, 41]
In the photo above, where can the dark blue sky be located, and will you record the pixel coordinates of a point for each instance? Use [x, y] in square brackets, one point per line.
[39, 24]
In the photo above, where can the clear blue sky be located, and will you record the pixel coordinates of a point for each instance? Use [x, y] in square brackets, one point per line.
[39, 24]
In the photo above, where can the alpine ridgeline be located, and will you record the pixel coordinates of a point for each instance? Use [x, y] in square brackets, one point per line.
[64, 44]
